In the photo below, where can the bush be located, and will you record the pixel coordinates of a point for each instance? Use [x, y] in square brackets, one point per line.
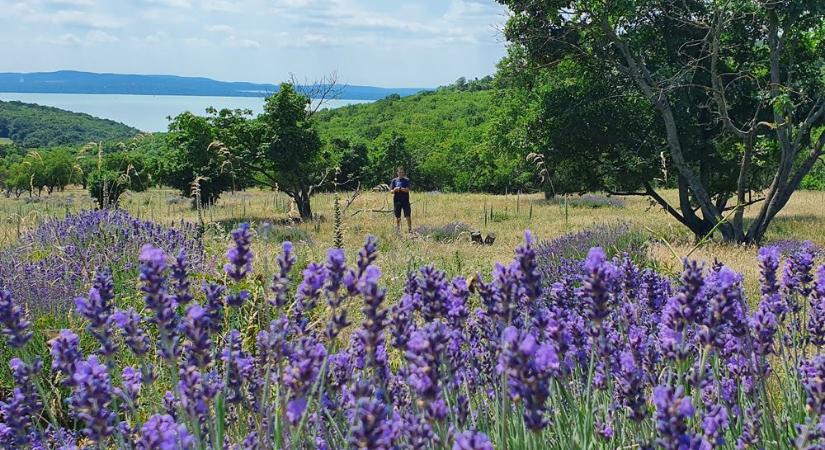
[789, 247]
[444, 233]
[588, 201]
[56, 262]
[564, 254]
[270, 232]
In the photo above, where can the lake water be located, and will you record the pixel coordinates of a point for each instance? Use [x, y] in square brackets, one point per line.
[145, 112]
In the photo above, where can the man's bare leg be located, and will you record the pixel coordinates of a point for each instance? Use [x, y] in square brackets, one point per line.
[409, 224]
[398, 225]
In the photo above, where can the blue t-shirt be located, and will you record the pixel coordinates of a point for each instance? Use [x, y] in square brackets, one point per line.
[404, 183]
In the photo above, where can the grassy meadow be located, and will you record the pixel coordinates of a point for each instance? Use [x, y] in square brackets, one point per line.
[506, 216]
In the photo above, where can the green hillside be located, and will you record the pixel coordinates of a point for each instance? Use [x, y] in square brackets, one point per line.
[443, 131]
[35, 126]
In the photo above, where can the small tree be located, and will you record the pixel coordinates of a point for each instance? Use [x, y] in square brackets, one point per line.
[117, 173]
[196, 152]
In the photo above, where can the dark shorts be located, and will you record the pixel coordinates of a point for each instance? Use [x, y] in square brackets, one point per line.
[398, 207]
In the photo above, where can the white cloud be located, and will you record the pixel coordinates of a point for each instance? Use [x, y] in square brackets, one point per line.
[223, 6]
[75, 18]
[157, 37]
[66, 39]
[220, 28]
[171, 3]
[100, 37]
[242, 43]
[73, 2]
[196, 42]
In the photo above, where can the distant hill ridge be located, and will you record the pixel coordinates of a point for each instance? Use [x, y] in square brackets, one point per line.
[73, 82]
[30, 126]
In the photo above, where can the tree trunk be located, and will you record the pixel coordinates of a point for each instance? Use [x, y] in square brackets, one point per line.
[302, 201]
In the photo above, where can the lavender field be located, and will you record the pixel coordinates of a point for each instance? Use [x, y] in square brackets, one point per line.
[583, 341]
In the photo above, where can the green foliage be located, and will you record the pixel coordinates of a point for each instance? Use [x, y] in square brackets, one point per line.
[439, 136]
[39, 170]
[118, 172]
[35, 126]
[591, 138]
[815, 180]
[716, 99]
[291, 156]
[195, 153]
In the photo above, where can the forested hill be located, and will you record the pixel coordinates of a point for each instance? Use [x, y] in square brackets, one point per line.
[439, 135]
[30, 126]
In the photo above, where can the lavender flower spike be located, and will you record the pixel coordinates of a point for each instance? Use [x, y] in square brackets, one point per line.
[161, 432]
[240, 256]
[12, 321]
[472, 440]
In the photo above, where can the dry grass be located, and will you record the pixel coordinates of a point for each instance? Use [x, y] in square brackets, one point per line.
[804, 218]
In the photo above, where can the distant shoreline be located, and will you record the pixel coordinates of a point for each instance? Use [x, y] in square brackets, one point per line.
[164, 94]
[147, 112]
[88, 83]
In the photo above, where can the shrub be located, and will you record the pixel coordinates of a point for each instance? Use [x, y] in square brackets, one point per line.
[56, 262]
[269, 232]
[443, 233]
[788, 247]
[588, 201]
[616, 357]
[564, 254]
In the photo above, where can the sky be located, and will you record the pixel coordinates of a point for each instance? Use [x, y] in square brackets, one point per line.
[390, 43]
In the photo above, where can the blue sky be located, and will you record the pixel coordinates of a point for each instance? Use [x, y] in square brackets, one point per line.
[411, 43]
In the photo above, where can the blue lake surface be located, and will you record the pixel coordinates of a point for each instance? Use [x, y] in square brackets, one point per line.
[145, 112]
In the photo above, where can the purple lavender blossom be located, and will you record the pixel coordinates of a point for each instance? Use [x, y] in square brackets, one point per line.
[135, 336]
[97, 308]
[65, 353]
[528, 366]
[596, 286]
[153, 275]
[816, 312]
[198, 346]
[797, 277]
[280, 281]
[132, 383]
[13, 323]
[335, 268]
[630, 386]
[367, 254]
[91, 399]
[214, 307]
[20, 410]
[371, 427]
[472, 440]
[240, 256]
[238, 365]
[180, 275]
[714, 425]
[162, 432]
[673, 410]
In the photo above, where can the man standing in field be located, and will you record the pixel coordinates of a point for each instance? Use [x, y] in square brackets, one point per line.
[400, 188]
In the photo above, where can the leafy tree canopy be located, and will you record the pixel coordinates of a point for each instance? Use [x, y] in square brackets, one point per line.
[732, 94]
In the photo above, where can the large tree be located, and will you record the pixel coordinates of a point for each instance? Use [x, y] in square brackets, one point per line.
[736, 90]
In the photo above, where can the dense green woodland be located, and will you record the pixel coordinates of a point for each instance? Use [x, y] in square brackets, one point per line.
[440, 136]
[35, 126]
